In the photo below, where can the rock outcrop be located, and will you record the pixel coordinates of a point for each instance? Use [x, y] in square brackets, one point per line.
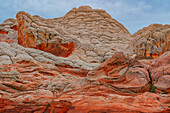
[9, 31]
[84, 33]
[119, 84]
[72, 64]
[160, 73]
[123, 74]
[151, 41]
[13, 53]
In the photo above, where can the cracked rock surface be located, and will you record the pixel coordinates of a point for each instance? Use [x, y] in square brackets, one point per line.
[160, 73]
[83, 33]
[119, 84]
[72, 64]
[151, 41]
[13, 53]
[9, 31]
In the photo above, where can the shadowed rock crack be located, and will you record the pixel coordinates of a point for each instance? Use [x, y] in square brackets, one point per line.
[152, 87]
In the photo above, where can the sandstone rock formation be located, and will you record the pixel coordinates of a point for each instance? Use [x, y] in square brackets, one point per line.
[151, 41]
[13, 53]
[91, 35]
[38, 86]
[160, 73]
[9, 31]
[72, 64]
[84, 33]
[123, 74]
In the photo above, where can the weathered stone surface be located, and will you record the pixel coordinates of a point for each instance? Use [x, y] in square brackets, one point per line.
[35, 86]
[9, 31]
[151, 41]
[10, 106]
[124, 74]
[160, 73]
[32, 87]
[83, 33]
[68, 76]
[17, 53]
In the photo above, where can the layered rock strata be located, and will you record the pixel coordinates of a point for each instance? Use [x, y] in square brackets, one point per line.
[123, 74]
[160, 73]
[71, 65]
[119, 84]
[9, 31]
[151, 41]
[91, 35]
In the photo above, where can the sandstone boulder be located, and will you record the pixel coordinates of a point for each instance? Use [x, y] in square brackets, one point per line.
[123, 74]
[160, 73]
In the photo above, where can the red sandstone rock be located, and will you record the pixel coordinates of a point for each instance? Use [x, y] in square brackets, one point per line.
[160, 73]
[3, 39]
[123, 74]
[35, 81]
[42, 87]
[58, 49]
[23, 90]
[43, 41]
[3, 32]
[9, 106]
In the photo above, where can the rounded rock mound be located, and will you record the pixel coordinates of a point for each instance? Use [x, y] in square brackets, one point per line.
[83, 33]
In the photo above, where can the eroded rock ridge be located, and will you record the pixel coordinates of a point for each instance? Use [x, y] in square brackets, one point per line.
[83, 62]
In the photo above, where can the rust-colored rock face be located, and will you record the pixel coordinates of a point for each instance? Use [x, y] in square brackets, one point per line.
[72, 64]
[36, 35]
[58, 49]
[3, 32]
[124, 74]
[151, 41]
[37, 81]
[160, 73]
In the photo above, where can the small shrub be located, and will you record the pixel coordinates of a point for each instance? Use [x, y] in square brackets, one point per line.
[152, 88]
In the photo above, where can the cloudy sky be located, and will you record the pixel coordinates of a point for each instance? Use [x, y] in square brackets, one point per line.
[133, 14]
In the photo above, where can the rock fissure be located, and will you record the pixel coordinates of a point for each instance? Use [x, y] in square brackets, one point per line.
[152, 87]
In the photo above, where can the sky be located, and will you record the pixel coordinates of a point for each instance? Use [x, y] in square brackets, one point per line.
[133, 14]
